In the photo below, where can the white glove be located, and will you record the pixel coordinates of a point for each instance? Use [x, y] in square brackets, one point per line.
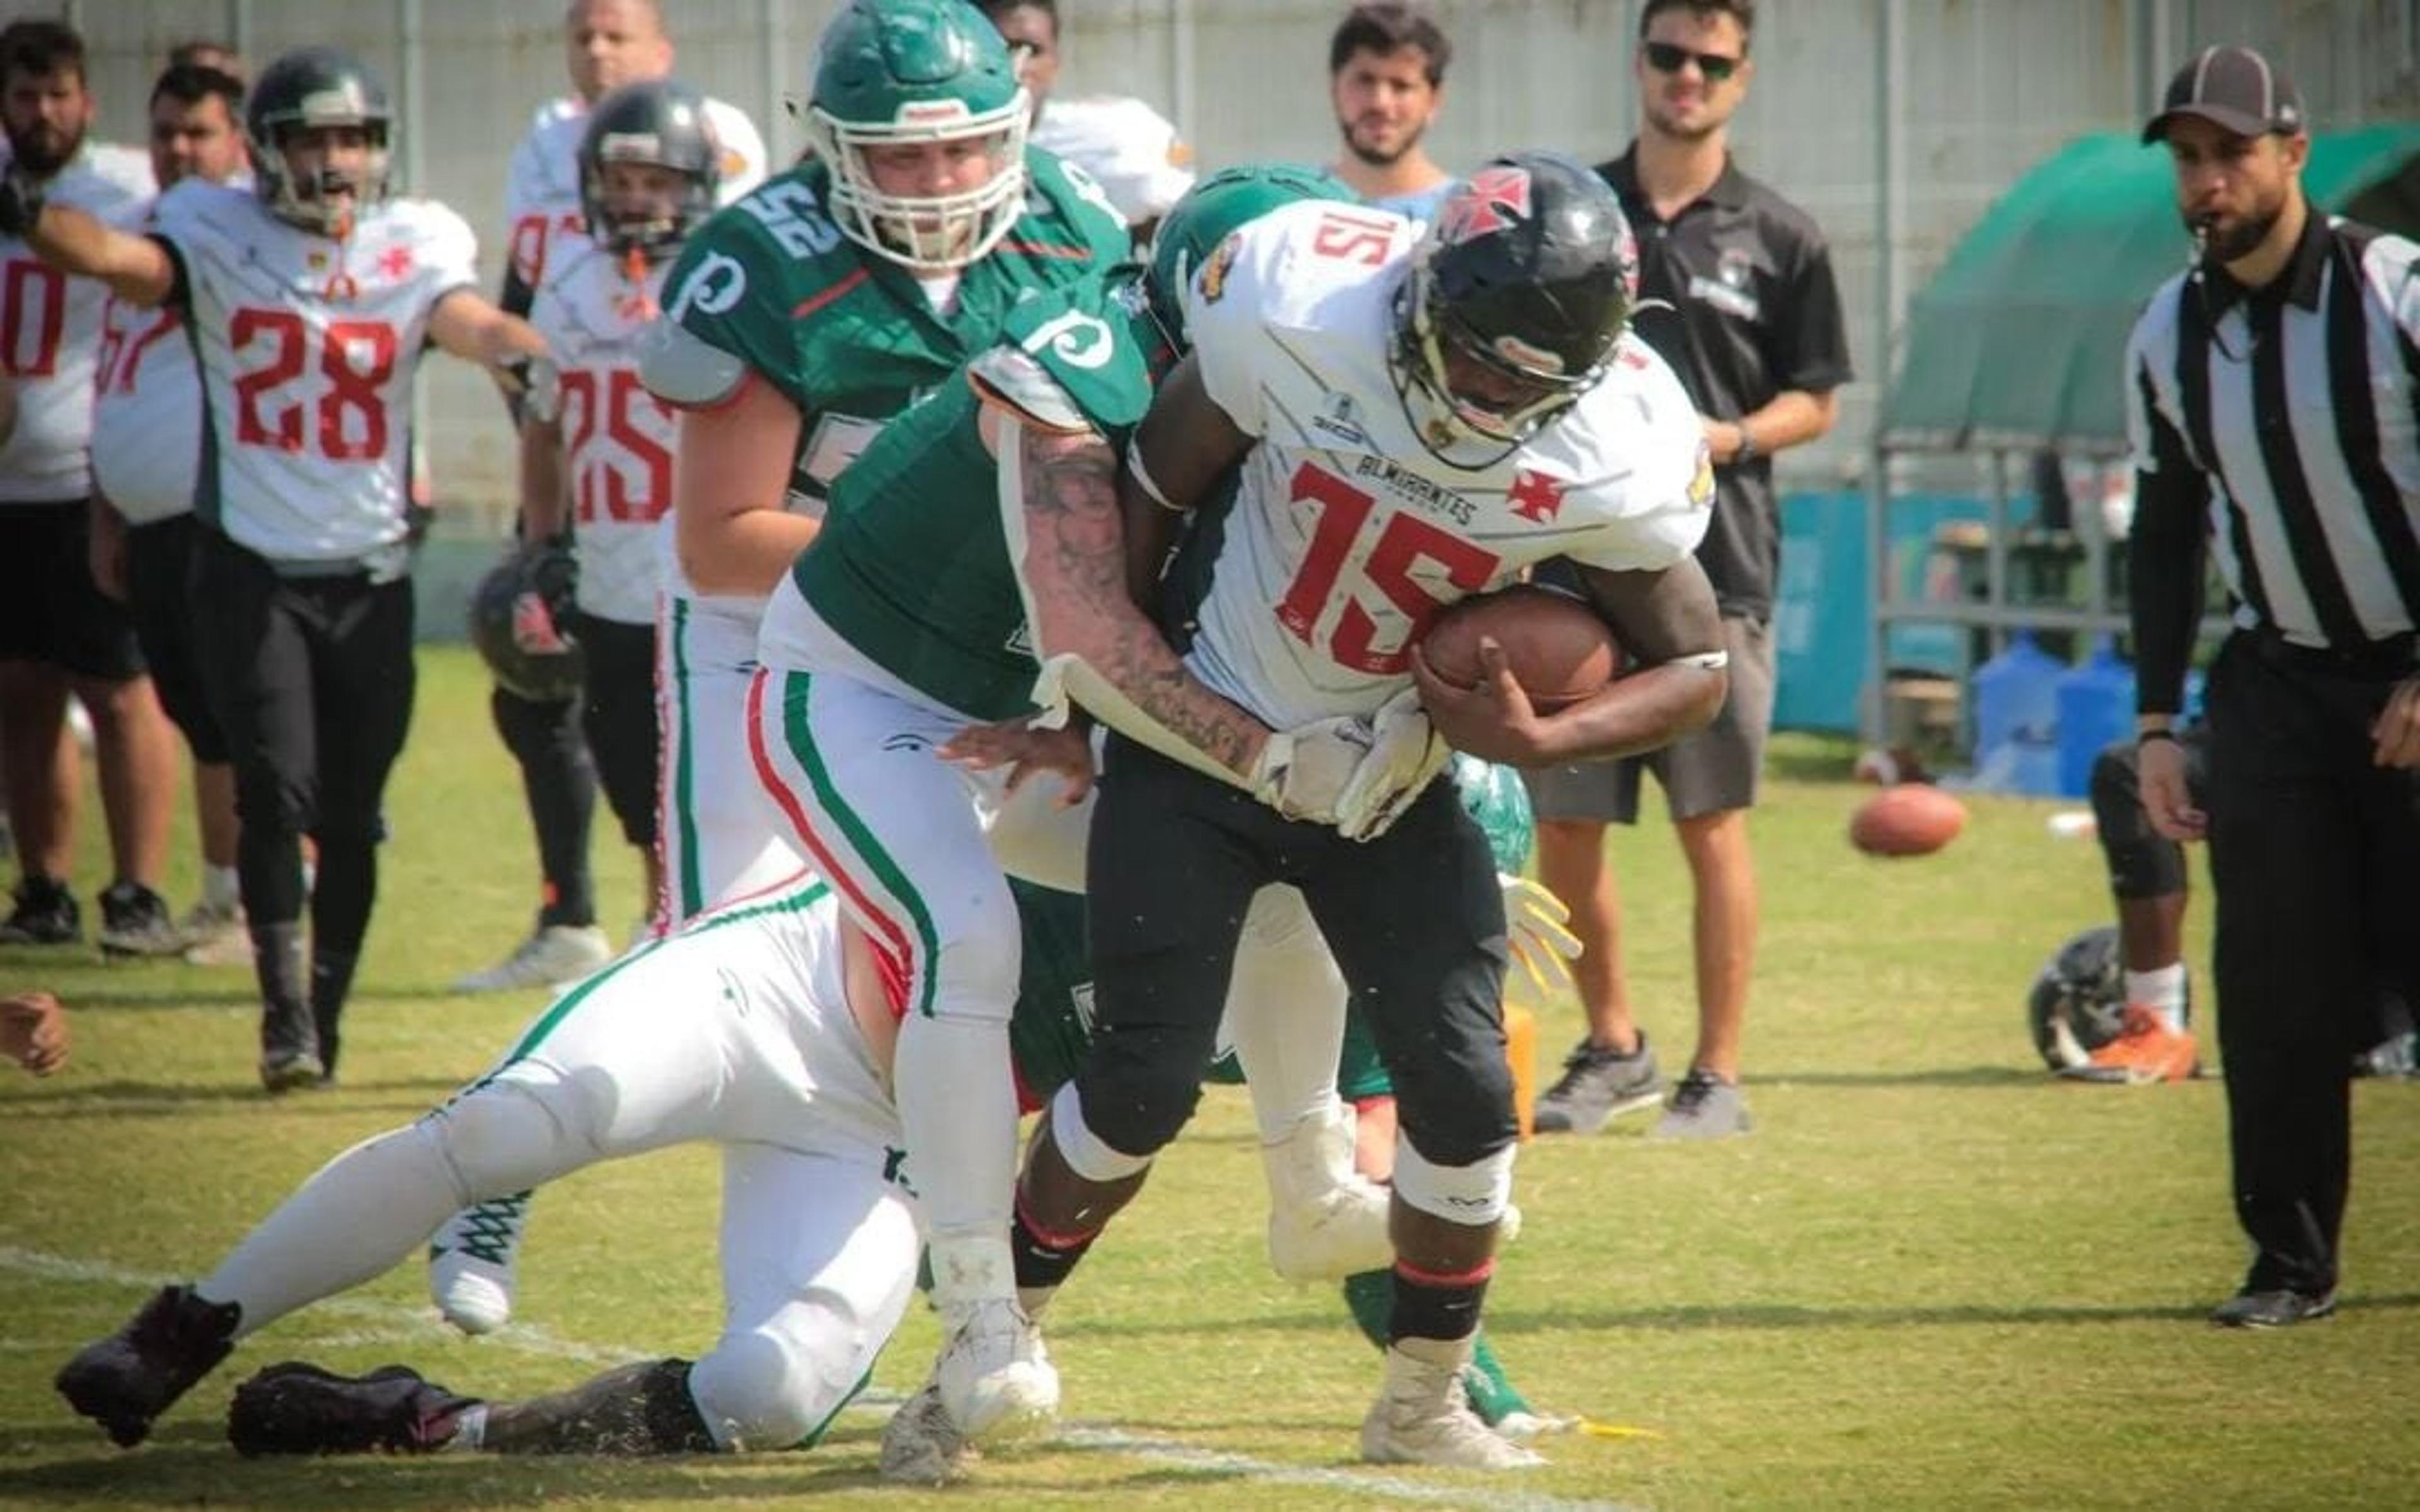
[1405, 756]
[1537, 928]
[1304, 773]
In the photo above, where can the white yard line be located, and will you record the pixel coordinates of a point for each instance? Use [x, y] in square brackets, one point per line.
[391, 1323]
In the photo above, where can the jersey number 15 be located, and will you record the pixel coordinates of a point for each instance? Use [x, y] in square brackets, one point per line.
[1405, 544]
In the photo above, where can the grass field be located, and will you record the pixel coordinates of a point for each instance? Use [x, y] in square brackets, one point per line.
[1931, 1278]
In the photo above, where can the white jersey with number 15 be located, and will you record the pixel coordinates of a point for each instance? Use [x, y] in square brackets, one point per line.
[308, 347]
[1347, 535]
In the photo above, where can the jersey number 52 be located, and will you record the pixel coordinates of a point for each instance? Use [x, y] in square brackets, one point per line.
[1407, 551]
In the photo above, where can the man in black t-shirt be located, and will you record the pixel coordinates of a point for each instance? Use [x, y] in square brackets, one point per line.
[1737, 293]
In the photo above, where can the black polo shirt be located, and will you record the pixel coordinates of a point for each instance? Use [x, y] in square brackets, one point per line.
[1754, 312]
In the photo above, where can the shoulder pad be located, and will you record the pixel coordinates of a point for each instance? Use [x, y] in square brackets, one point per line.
[685, 371]
[1010, 377]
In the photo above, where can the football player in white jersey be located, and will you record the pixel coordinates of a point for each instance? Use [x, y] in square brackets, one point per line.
[596, 464]
[607, 45]
[58, 632]
[147, 455]
[1416, 420]
[309, 299]
[1129, 148]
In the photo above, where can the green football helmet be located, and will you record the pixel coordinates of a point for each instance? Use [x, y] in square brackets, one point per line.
[1495, 797]
[1210, 212]
[907, 74]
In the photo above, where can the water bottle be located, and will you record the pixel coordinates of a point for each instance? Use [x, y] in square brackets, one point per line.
[2016, 719]
[2095, 706]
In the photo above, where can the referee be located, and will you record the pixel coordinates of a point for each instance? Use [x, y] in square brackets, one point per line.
[2270, 399]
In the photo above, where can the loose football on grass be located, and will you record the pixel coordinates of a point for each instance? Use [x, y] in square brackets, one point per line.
[1910, 819]
[1558, 649]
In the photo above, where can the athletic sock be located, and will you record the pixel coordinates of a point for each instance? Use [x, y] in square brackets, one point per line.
[1492, 1394]
[1434, 1306]
[221, 888]
[1371, 1295]
[2162, 991]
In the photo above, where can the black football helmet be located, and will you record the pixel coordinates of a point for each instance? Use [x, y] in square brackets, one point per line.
[318, 87]
[520, 614]
[658, 122]
[2078, 1002]
[1517, 300]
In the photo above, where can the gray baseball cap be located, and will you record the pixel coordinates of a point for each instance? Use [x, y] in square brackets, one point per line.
[2234, 88]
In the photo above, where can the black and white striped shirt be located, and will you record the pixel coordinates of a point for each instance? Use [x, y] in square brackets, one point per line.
[2287, 420]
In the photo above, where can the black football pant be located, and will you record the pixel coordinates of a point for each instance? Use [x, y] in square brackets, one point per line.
[619, 718]
[2315, 854]
[1415, 920]
[311, 681]
[559, 782]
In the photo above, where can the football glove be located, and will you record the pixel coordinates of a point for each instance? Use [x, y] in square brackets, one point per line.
[1405, 756]
[21, 201]
[1540, 941]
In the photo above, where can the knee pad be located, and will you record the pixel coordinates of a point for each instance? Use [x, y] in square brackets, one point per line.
[1475, 1193]
[1140, 1086]
[1086, 1153]
[776, 1385]
[506, 1135]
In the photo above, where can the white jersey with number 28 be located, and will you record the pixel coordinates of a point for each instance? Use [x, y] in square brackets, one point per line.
[307, 350]
[1348, 535]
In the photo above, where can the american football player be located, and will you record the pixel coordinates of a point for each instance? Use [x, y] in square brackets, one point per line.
[309, 298]
[1417, 419]
[1130, 149]
[608, 44]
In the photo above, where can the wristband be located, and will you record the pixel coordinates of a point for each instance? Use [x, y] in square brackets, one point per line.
[2148, 735]
[1747, 450]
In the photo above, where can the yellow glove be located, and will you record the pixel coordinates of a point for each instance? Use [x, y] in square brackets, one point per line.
[1537, 928]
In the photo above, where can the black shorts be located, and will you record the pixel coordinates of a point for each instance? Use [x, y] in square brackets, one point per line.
[160, 600]
[1415, 919]
[51, 612]
[619, 717]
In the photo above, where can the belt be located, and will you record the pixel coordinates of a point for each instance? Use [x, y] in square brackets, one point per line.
[2392, 659]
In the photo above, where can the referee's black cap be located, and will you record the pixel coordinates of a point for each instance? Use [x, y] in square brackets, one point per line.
[2233, 87]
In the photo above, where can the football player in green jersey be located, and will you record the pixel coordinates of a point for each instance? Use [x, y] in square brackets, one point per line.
[971, 569]
[796, 321]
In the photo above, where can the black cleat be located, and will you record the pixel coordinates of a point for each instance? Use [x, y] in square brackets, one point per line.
[125, 1381]
[299, 1409]
[45, 914]
[135, 921]
[2280, 1309]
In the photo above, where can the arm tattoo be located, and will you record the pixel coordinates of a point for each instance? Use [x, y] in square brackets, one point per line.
[1076, 572]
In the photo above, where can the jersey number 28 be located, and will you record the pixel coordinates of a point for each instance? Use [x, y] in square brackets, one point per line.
[1406, 545]
[349, 399]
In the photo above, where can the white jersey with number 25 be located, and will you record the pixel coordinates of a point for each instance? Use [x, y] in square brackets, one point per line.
[1348, 535]
[307, 350]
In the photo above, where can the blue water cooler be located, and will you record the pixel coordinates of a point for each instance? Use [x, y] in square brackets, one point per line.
[2095, 704]
[2016, 719]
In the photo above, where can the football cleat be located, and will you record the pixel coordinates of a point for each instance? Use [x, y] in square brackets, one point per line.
[921, 1446]
[474, 1263]
[216, 936]
[995, 1379]
[299, 1409]
[135, 920]
[288, 1070]
[1423, 1417]
[2145, 1051]
[1326, 1221]
[45, 914]
[124, 1381]
[552, 955]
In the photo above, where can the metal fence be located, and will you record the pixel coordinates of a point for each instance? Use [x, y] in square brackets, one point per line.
[1893, 121]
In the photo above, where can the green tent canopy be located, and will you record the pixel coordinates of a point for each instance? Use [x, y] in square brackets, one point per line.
[2020, 340]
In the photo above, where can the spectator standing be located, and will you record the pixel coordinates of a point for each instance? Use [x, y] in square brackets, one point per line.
[1736, 291]
[1129, 148]
[2263, 421]
[1386, 79]
[60, 633]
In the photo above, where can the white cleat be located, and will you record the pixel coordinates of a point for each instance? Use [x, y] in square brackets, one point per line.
[474, 1262]
[1326, 1221]
[921, 1446]
[216, 936]
[995, 1379]
[553, 955]
[1421, 1416]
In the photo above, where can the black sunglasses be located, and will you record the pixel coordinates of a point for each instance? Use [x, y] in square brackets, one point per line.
[1667, 57]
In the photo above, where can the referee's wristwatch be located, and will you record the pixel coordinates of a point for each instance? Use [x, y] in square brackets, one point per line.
[1747, 451]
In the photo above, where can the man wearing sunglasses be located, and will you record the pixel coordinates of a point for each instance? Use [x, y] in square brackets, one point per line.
[1736, 292]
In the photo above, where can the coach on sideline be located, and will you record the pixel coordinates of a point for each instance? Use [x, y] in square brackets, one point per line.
[2271, 390]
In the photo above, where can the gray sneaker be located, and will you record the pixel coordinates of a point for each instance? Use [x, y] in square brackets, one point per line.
[1704, 1106]
[1597, 1084]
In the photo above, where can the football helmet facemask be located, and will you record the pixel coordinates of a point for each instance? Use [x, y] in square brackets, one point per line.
[1517, 301]
[2078, 1002]
[308, 88]
[913, 72]
[1210, 212]
[661, 124]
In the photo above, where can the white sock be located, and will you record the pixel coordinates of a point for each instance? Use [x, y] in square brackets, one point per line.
[221, 888]
[2162, 991]
[957, 1106]
[470, 1430]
